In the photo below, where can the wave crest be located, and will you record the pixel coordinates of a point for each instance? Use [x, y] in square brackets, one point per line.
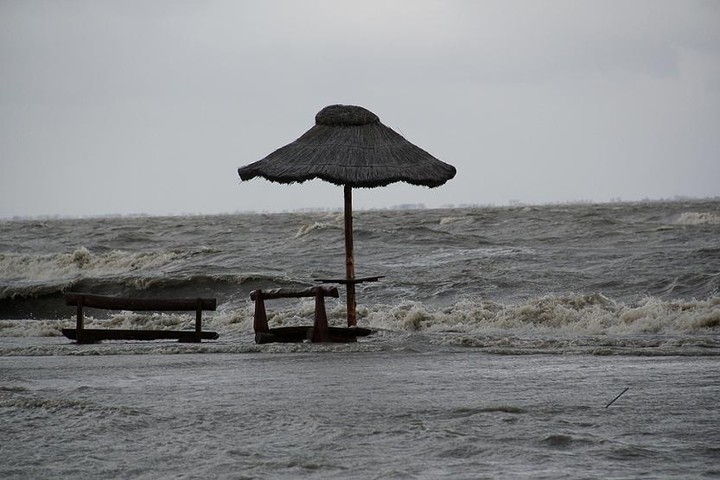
[80, 262]
[316, 227]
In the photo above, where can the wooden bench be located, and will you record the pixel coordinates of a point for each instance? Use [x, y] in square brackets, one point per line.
[320, 331]
[85, 335]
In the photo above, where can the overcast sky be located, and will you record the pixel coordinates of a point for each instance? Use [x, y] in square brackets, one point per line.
[118, 107]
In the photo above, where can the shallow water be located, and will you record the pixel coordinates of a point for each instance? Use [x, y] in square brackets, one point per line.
[334, 414]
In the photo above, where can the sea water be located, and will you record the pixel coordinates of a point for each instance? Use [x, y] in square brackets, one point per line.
[500, 337]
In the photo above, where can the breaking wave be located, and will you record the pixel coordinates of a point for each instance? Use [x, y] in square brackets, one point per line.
[80, 263]
[329, 222]
[581, 314]
[698, 218]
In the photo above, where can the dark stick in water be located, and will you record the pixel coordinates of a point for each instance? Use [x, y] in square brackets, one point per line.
[621, 394]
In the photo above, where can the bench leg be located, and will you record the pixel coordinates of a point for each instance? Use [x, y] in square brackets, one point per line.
[80, 322]
[260, 323]
[320, 328]
[198, 320]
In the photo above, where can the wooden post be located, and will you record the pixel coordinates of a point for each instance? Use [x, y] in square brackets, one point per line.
[80, 320]
[349, 259]
[260, 323]
[320, 328]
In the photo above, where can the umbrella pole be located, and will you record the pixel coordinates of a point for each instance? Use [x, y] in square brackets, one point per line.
[349, 259]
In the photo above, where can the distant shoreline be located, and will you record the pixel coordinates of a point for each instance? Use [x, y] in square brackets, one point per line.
[338, 209]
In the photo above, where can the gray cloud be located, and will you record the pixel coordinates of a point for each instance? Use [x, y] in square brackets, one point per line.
[116, 107]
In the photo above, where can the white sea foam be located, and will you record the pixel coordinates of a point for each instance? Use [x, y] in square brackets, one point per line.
[458, 220]
[698, 218]
[580, 314]
[32, 328]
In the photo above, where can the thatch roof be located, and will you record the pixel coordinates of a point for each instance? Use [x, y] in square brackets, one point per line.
[349, 146]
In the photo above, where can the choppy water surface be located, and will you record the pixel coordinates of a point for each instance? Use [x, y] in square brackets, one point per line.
[500, 336]
[319, 414]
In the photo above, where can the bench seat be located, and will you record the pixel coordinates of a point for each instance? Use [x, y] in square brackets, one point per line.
[84, 335]
[94, 335]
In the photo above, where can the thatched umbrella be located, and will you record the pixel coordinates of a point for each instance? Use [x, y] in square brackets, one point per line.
[349, 146]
